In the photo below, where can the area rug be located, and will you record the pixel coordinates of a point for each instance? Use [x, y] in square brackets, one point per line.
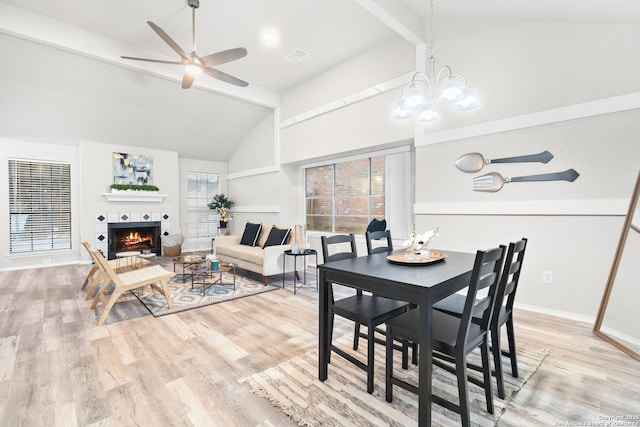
[186, 298]
[342, 399]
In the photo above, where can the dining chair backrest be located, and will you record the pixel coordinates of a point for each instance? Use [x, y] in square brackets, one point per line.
[485, 274]
[508, 285]
[333, 247]
[373, 236]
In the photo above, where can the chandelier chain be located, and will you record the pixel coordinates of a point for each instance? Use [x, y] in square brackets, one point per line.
[431, 29]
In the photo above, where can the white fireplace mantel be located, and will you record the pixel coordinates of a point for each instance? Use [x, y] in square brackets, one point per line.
[134, 196]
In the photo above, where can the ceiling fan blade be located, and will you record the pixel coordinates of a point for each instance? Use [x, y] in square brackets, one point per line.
[168, 40]
[159, 61]
[224, 56]
[225, 77]
[187, 80]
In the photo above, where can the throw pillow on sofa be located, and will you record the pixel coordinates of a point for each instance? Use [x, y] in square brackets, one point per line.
[277, 236]
[251, 234]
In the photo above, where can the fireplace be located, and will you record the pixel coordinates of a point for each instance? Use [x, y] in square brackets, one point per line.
[133, 236]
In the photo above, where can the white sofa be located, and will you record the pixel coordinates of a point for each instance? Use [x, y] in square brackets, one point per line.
[265, 261]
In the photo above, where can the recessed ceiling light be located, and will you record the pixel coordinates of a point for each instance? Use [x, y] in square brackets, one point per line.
[270, 37]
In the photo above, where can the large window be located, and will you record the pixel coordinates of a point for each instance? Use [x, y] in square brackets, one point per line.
[201, 221]
[345, 195]
[39, 206]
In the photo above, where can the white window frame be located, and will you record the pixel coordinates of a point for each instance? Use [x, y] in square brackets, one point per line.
[48, 212]
[197, 209]
[398, 187]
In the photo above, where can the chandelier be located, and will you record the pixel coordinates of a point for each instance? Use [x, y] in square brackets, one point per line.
[446, 88]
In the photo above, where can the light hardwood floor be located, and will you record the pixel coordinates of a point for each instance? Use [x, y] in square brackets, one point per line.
[57, 368]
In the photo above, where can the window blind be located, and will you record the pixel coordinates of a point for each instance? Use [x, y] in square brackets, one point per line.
[201, 221]
[39, 206]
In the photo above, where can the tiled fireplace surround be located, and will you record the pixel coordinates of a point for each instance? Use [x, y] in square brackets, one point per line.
[104, 218]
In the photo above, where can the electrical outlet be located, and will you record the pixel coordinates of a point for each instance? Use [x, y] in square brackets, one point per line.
[547, 277]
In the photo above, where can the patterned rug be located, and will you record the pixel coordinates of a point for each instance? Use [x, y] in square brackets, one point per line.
[186, 298]
[342, 399]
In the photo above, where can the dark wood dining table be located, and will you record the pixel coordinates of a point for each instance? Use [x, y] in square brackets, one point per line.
[422, 285]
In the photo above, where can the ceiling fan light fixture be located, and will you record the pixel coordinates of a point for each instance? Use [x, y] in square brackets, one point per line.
[191, 62]
[193, 69]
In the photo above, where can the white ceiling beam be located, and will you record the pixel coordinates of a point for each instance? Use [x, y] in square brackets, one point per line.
[31, 26]
[399, 17]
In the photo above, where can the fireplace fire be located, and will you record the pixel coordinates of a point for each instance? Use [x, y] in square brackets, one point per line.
[134, 236]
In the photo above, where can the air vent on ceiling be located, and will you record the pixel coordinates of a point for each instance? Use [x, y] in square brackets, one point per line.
[296, 55]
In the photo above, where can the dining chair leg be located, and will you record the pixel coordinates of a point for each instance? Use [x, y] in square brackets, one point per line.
[486, 373]
[331, 319]
[512, 347]
[370, 356]
[414, 353]
[497, 360]
[463, 392]
[405, 354]
[356, 335]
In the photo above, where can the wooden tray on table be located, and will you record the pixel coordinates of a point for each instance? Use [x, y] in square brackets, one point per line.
[402, 259]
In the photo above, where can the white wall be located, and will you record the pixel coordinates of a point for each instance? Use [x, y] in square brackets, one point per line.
[257, 149]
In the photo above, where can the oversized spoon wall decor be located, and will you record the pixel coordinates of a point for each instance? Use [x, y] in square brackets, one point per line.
[473, 162]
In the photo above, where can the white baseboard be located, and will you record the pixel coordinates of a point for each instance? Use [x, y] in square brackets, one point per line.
[556, 313]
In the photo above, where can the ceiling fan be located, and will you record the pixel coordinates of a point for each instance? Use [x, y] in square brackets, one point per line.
[194, 64]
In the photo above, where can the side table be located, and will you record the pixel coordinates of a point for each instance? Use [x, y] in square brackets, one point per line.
[304, 254]
[130, 258]
[185, 261]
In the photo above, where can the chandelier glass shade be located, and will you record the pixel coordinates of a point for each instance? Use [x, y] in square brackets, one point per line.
[423, 94]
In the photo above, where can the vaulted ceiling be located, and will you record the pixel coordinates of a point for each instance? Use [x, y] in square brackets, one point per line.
[214, 113]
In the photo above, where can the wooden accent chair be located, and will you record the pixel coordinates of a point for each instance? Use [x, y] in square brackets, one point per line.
[94, 279]
[127, 281]
[502, 311]
[455, 337]
[363, 309]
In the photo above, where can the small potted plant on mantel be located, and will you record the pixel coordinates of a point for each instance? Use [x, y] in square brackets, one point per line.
[118, 188]
[222, 204]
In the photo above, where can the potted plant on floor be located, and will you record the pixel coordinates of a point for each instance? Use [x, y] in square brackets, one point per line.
[222, 204]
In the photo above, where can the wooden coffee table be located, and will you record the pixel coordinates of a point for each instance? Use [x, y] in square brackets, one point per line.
[207, 277]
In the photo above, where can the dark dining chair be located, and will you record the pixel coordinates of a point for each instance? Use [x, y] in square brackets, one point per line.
[363, 309]
[377, 236]
[454, 337]
[502, 311]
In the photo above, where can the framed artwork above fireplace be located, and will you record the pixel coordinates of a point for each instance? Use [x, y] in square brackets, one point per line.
[132, 169]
